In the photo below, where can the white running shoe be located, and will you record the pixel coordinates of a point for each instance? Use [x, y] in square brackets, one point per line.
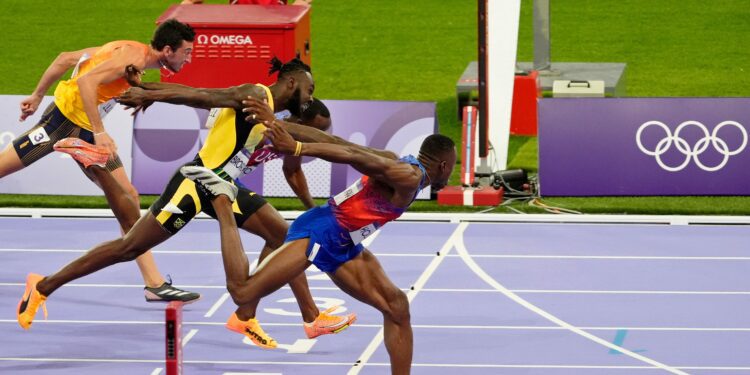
[210, 181]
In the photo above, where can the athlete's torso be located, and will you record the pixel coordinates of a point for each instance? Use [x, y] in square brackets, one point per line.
[68, 97]
[234, 147]
[361, 208]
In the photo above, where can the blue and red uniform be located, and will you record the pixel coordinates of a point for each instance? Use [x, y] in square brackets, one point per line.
[336, 229]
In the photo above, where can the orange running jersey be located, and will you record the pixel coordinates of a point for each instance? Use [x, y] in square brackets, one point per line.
[68, 97]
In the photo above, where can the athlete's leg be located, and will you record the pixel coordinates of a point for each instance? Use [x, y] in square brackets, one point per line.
[268, 224]
[9, 161]
[123, 199]
[146, 233]
[364, 279]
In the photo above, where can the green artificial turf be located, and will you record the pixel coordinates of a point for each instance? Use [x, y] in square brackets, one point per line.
[416, 50]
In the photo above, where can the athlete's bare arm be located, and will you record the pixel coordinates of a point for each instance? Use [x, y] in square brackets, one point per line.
[302, 133]
[108, 71]
[402, 177]
[61, 64]
[230, 97]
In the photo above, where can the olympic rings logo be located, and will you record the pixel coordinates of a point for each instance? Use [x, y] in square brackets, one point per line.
[697, 149]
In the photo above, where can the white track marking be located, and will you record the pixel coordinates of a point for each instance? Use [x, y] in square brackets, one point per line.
[156, 371]
[415, 326]
[461, 250]
[418, 285]
[576, 291]
[604, 257]
[189, 336]
[423, 255]
[379, 364]
[447, 290]
[216, 305]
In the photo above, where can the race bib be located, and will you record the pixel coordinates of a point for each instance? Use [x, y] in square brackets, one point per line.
[213, 114]
[360, 234]
[38, 136]
[355, 188]
[237, 165]
[106, 107]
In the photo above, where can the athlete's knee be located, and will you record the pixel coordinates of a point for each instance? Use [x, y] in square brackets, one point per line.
[128, 249]
[398, 306]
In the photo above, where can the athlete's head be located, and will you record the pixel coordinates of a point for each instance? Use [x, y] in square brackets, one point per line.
[174, 40]
[296, 79]
[438, 154]
[316, 114]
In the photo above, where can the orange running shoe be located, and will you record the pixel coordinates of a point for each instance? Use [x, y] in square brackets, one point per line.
[30, 302]
[82, 151]
[326, 323]
[252, 330]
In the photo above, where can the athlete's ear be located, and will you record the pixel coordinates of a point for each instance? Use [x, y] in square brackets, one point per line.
[291, 83]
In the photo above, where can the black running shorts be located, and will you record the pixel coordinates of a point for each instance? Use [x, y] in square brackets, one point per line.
[53, 126]
[182, 200]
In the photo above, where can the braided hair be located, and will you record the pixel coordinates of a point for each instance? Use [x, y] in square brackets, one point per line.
[284, 69]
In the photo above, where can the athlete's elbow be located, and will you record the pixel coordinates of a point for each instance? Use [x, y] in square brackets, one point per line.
[66, 59]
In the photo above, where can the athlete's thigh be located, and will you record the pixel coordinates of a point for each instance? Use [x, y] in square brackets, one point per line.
[178, 204]
[268, 224]
[279, 268]
[9, 161]
[146, 233]
[364, 279]
[37, 142]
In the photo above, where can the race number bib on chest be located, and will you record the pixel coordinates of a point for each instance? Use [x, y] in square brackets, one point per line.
[244, 162]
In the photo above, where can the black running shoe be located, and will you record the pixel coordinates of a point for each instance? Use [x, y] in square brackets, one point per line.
[167, 293]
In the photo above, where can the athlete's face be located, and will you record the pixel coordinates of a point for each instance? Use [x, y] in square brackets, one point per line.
[302, 95]
[175, 59]
[445, 168]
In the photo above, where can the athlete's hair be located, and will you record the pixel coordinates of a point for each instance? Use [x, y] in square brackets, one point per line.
[436, 145]
[171, 33]
[313, 109]
[284, 69]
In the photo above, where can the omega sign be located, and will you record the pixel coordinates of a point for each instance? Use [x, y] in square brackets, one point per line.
[234, 40]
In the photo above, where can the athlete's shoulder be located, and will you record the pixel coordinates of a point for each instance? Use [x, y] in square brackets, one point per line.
[128, 44]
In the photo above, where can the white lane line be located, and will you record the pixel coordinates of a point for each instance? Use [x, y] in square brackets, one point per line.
[419, 326]
[416, 326]
[216, 305]
[380, 364]
[156, 371]
[418, 285]
[189, 336]
[422, 255]
[603, 257]
[461, 250]
[575, 291]
[447, 290]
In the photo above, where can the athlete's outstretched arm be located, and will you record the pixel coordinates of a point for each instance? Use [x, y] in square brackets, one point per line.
[61, 64]
[391, 171]
[230, 97]
[302, 133]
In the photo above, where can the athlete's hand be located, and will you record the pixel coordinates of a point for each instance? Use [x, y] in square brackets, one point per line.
[104, 140]
[133, 75]
[281, 139]
[29, 106]
[134, 98]
[259, 111]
